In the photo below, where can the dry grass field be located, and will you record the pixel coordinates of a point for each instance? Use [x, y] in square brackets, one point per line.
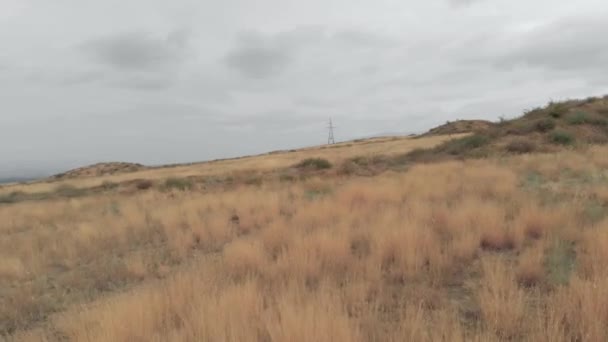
[497, 249]
[280, 159]
[499, 235]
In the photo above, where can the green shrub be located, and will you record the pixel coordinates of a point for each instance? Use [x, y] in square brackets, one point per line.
[314, 164]
[544, 125]
[181, 184]
[562, 138]
[578, 118]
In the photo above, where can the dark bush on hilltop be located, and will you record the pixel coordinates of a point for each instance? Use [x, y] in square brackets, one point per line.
[562, 138]
[314, 164]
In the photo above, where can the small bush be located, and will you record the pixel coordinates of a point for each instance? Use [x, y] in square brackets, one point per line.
[143, 184]
[181, 184]
[521, 146]
[562, 138]
[544, 125]
[314, 164]
[578, 118]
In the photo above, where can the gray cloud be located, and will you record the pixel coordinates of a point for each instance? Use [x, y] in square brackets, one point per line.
[137, 50]
[152, 82]
[572, 44]
[256, 56]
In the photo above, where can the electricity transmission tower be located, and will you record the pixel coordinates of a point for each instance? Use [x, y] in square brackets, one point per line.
[330, 138]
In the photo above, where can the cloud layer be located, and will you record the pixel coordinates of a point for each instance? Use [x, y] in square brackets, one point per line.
[189, 80]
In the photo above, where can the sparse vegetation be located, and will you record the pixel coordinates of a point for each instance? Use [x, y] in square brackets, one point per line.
[314, 164]
[578, 118]
[521, 146]
[545, 125]
[466, 144]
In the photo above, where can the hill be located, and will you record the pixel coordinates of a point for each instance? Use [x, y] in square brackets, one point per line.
[461, 126]
[100, 169]
[556, 126]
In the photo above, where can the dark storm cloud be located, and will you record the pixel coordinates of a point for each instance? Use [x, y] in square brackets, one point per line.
[137, 50]
[573, 45]
[257, 56]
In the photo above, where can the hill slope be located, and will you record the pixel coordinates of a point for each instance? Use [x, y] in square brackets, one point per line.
[556, 126]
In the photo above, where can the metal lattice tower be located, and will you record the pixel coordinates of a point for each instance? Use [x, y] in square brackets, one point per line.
[330, 138]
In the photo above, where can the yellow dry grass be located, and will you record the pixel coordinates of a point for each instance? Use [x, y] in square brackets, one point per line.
[334, 153]
[485, 250]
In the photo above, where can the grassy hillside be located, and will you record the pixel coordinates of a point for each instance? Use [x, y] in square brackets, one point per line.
[274, 165]
[346, 243]
[547, 129]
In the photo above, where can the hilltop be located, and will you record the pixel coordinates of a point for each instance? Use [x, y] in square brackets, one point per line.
[461, 126]
[100, 169]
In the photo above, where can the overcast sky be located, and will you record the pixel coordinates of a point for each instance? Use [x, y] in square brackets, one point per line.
[157, 81]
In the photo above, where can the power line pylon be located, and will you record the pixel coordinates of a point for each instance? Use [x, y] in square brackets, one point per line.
[330, 138]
